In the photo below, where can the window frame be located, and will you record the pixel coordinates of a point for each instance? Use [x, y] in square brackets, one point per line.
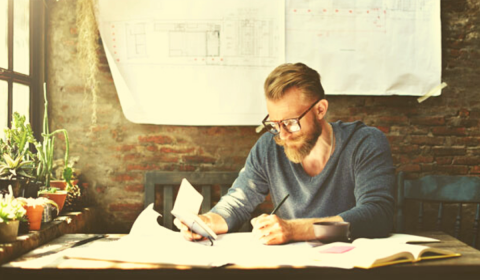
[36, 78]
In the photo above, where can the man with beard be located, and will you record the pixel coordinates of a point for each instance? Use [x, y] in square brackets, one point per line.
[331, 171]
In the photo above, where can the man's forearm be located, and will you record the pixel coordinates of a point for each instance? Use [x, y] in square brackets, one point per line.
[302, 229]
[216, 222]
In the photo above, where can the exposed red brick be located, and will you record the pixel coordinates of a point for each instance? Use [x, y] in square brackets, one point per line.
[218, 130]
[466, 160]
[448, 151]
[187, 168]
[98, 128]
[164, 158]
[474, 151]
[444, 160]
[126, 207]
[157, 139]
[410, 168]
[458, 131]
[422, 159]
[390, 120]
[177, 150]
[467, 141]
[132, 167]
[429, 120]
[453, 169]
[405, 149]
[384, 129]
[130, 157]
[199, 159]
[135, 188]
[124, 177]
[130, 216]
[125, 148]
[104, 69]
[475, 170]
[427, 167]
[152, 148]
[427, 140]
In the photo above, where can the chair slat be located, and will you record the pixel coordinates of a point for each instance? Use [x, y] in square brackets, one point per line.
[440, 216]
[207, 198]
[458, 221]
[167, 206]
[420, 216]
[475, 226]
[442, 189]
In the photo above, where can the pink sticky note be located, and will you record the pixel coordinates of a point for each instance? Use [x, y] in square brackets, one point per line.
[337, 249]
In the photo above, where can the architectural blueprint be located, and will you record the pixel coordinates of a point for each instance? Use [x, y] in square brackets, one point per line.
[193, 62]
[204, 62]
[368, 47]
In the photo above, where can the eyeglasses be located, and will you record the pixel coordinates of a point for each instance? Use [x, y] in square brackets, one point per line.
[291, 125]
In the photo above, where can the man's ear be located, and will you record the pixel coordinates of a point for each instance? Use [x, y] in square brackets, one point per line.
[321, 109]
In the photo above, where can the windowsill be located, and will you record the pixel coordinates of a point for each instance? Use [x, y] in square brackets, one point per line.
[70, 222]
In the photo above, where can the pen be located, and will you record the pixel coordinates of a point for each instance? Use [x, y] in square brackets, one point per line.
[280, 204]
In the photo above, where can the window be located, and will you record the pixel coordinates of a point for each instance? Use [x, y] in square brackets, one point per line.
[21, 61]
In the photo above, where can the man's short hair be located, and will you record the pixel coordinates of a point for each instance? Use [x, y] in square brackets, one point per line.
[290, 75]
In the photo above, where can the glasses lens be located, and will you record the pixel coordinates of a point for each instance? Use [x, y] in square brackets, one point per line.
[291, 125]
[272, 127]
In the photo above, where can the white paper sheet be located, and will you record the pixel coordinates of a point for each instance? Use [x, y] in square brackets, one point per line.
[149, 242]
[368, 47]
[204, 62]
[192, 62]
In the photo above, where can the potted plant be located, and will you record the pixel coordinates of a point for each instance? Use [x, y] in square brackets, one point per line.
[17, 162]
[34, 208]
[56, 195]
[45, 157]
[11, 212]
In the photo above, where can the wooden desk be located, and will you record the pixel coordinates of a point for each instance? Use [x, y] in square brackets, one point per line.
[48, 263]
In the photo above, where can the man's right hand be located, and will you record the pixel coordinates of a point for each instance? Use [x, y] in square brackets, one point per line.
[214, 221]
[185, 230]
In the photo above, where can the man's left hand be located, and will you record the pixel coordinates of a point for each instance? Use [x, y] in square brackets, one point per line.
[271, 230]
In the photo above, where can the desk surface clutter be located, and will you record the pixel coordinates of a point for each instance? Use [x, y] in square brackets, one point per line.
[138, 254]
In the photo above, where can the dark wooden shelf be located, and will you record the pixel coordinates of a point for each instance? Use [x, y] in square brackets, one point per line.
[82, 221]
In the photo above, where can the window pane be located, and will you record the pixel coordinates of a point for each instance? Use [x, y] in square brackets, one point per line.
[21, 36]
[4, 34]
[3, 107]
[21, 100]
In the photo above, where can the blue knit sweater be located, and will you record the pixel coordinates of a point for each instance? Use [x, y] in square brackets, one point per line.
[357, 183]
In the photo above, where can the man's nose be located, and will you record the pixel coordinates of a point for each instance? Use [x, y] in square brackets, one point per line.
[284, 133]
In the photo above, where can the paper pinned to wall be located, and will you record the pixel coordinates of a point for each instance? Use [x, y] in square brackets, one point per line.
[368, 47]
[192, 62]
[204, 62]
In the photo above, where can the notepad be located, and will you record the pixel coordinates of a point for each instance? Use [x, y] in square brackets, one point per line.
[369, 253]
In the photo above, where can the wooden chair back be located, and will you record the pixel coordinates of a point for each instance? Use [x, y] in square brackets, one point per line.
[169, 182]
[440, 189]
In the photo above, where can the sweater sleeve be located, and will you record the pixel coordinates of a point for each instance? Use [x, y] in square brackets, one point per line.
[374, 183]
[246, 193]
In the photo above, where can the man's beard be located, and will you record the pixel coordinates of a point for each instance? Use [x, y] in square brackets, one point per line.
[303, 144]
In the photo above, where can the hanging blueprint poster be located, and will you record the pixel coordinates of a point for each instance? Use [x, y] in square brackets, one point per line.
[192, 62]
[368, 47]
[204, 62]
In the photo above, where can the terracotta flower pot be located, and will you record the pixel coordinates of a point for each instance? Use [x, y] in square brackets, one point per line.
[58, 197]
[61, 185]
[8, 231]
[34, 215]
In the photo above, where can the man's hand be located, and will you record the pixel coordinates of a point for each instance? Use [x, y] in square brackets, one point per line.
[185, 230]
[213, 221]
[271, 230]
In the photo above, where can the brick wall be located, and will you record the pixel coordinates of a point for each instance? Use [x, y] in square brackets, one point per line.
[440, 135]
